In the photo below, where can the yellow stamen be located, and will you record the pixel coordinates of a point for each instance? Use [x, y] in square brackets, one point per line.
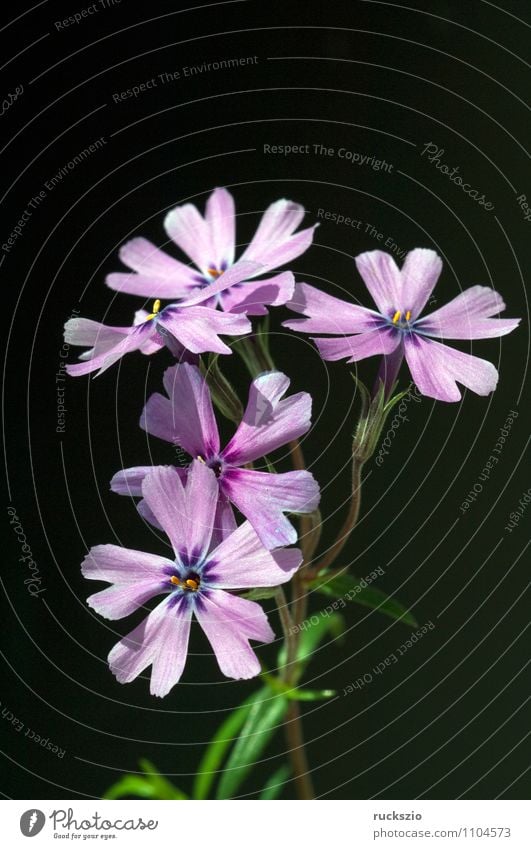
[214, 272]
[175, 580]
[191, 584]
[408, 315]
[201, 459]
[396, 316]
[156, 308]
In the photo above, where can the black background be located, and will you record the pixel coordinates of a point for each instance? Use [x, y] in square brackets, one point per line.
[449, 720]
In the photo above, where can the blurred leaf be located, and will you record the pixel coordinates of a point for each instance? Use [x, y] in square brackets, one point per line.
[152, 785]
[296, 694]
[311, 634]
[221, 741]
[348, 587]
[262, 722]
[275, 785]
[260, 593]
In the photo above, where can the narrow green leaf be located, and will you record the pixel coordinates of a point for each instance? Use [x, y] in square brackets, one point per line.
[296, 694]
[164, 789]
[130, 785]
[349, 588]
[221, 741]
[311, 634]
[275, 785]
[263, 720]
[260, 593]
[152, 785]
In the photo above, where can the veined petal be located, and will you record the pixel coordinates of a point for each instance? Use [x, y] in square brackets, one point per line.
[250, 297]
[276, 253]
[123, 599]
[229, 623]
[420, 272]
[161, 640]
[157, 275]
[469, 316]
[119, 565]
[185, 514]
[237, 273]
[198, 328]
[378, 341]
[129, 481]
[241, 560]
[268, 421]
[224, 520]
[327, 314]
[277, 224]
[381, 275]
[220, 217]
[435, 368]
[263, 498]
[189, 230]
[187, 417]
[103, 354]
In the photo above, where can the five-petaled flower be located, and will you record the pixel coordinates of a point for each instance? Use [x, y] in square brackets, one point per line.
[210, 242]
[397, 331]
[186, 418]
[196, 581]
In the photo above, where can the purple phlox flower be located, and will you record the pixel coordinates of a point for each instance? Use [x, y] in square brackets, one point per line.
[188, 325]
[210, 242]
[195, 581]
[396, 330]
[186, 418]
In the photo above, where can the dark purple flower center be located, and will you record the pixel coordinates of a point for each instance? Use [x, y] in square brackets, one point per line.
[190, 583]
[213, 463]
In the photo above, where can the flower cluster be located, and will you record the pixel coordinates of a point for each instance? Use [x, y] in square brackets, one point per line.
[213, 557]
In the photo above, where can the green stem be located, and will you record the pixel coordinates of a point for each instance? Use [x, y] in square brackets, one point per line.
[350, 520]
[293, 723]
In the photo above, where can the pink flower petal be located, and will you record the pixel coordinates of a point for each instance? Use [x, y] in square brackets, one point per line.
[263, 498]
[268, 421]
[119, 565]
[161, 640]
[220, 217]
[381, 275]
[185, 514]
[469, 316]
[229, 623]
[123, 599]
[187, 418]
[242, 561]
[198, 328]
[250, 297]
[420, 272]
[358, 347]
[435, 368]
[104, 354]
[327, 314]
[189, 230]
[157, 275]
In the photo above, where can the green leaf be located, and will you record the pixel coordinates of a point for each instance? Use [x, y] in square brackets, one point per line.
[275, 785]
[296, 694]
[221, 741]
[349, 587]
[262, 722]
[152, 785]
[260, 593]
[311, 634]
